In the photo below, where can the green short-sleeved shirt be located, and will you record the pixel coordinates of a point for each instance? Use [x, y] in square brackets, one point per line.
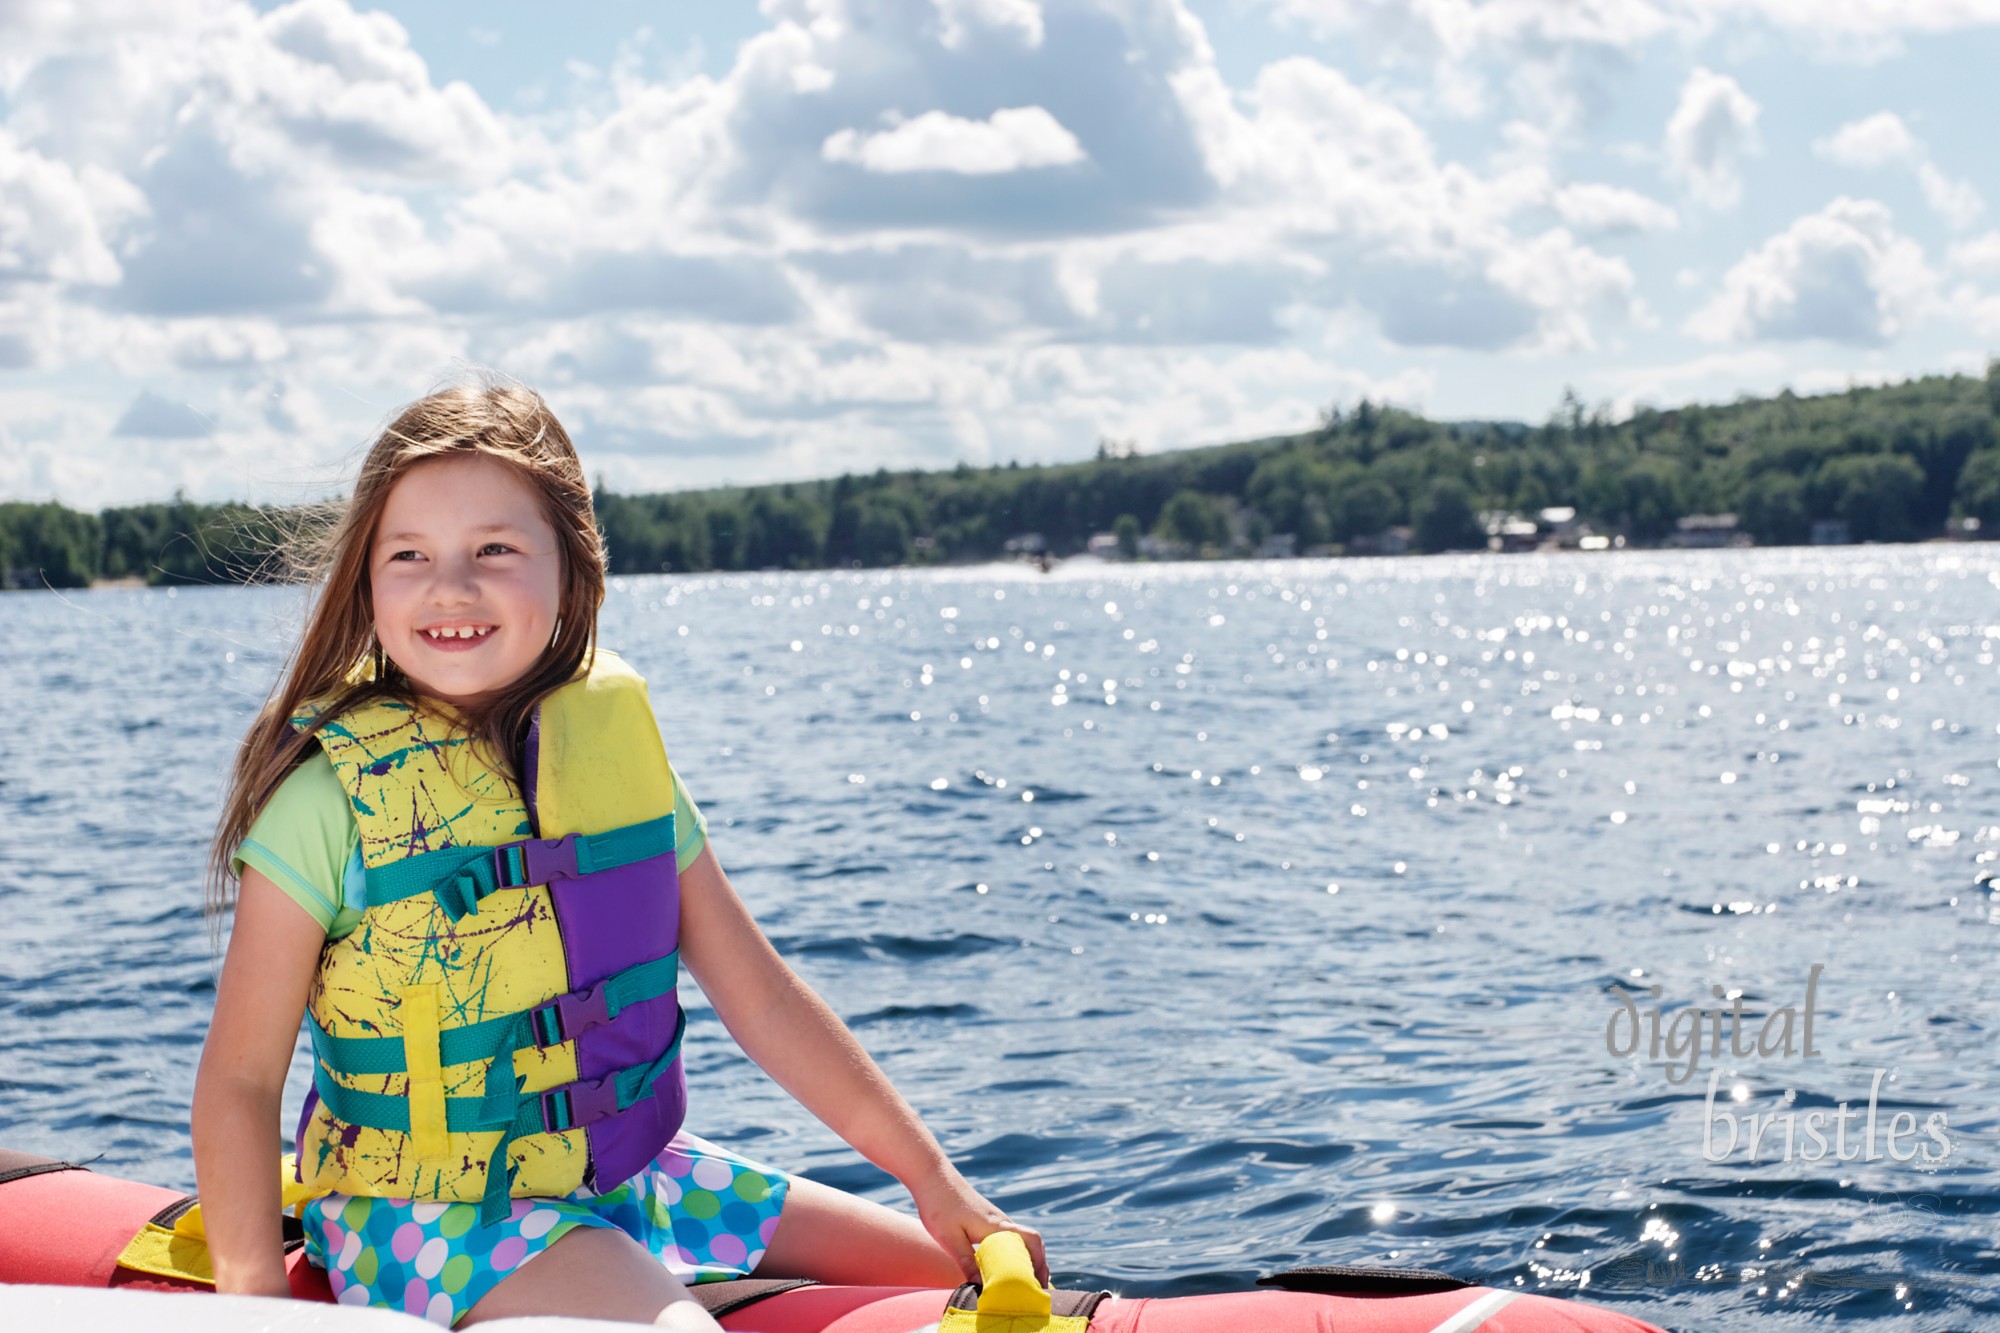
[306, 842]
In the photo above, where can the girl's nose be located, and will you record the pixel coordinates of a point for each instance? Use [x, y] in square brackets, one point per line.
[454, 583]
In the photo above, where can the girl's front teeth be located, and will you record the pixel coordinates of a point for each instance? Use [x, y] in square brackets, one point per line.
[462, 632]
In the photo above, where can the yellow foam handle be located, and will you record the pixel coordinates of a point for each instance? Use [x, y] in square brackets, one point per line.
[1010, 1300]
[1008, 1277]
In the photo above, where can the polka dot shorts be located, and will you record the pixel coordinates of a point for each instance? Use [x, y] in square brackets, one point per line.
[706, 1213]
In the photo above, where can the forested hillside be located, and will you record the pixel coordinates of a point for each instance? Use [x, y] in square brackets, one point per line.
[1892, 464]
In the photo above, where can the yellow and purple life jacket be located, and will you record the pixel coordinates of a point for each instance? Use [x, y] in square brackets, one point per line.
[502, 1021]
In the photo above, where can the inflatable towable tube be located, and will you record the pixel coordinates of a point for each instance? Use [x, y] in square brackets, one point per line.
[64, 1225]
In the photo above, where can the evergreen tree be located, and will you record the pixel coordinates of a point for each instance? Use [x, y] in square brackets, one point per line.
[1877, 495]
[1193, 518]
[882, 535]
[1362, 507]
[1444, 519]
[1772, 508]
[50, 546]
[1979, 490]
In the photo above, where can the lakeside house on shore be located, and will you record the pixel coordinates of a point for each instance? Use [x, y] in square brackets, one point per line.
[1553, 528]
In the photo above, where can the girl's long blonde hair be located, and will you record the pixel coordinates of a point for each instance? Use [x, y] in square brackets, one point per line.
[490, 418]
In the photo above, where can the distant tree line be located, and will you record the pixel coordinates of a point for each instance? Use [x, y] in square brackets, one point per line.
[1891, 463]
[179, 542]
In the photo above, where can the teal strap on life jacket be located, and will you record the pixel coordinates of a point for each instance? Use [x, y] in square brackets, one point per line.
[462, 876]
[506, 1108]
[562, 1108]
[554, 1111]
[547, 1024]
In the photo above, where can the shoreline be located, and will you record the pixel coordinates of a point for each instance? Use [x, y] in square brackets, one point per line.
[133, 582]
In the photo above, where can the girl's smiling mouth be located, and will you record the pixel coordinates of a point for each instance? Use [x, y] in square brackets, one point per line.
[456, 638]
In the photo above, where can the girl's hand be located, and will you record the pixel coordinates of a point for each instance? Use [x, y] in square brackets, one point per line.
[957, 1216]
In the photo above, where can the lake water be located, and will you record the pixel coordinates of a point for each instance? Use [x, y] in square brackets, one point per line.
[1225, 917]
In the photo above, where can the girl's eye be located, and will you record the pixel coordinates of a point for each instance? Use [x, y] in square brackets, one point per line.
[496, 548]
[406, 556]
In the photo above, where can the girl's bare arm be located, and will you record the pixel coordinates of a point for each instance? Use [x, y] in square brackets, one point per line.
[782, 1024]
[273, 951]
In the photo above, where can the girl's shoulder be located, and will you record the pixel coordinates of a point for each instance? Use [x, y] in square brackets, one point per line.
[304, 837]
[309, 792]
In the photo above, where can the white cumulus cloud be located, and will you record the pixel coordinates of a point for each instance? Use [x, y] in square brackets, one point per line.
[1355, 186]
[1013, 139]
[1859, 18]
[1981, 254]
[1958, 202]
[57, 221]
[959, 18]
[1875, 141]
[758, 271]
[349, 84]
[1452, 28]
[1711, 131]
[1884, 140]
[1843, 274]
[1608, 209]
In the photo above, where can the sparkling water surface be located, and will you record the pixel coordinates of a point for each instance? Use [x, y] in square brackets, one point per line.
[1221, 918]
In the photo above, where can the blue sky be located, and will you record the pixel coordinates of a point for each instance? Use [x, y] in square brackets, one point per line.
[739, 243]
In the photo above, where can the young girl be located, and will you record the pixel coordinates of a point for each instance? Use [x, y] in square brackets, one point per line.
[463, 856]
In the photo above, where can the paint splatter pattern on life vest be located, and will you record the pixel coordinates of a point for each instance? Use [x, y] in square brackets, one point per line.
[417, 787]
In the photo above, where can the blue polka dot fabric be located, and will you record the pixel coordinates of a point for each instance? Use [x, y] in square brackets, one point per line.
[704, 1212]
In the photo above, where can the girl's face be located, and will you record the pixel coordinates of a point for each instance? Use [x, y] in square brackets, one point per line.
[467, 577]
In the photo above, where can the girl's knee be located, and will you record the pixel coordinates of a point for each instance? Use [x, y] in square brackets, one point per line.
[687, 1316]
[594, 1273]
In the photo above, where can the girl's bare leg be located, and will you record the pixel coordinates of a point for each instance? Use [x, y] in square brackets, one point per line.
[833, 1236]
[595, 1273]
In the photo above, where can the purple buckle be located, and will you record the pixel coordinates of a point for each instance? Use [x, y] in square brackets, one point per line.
[577, 1012]
[543, 860]
[587, 1103]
